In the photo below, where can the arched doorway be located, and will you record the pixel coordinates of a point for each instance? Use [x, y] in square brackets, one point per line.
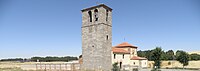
[120, 65]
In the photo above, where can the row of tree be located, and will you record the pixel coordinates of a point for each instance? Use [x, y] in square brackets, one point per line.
[13, 59]
[43, 59]
[50, 59]
[158, 54]
[168, 55]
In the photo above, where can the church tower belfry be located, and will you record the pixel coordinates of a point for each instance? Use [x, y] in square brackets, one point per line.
[97, 38]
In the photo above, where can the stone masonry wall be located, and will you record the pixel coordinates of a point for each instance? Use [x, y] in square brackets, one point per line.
[97, 41]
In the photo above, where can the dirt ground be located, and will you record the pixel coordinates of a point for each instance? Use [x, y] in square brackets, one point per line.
[30, 66]
[16, 66]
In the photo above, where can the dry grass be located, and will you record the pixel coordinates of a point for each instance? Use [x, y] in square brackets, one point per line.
[194, 52]
[14, 69]
[18, 66]
[176, 64]
[10, 69]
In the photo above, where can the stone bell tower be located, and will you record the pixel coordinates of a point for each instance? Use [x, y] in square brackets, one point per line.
[97, 38]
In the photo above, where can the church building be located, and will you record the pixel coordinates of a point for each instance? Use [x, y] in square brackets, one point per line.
[97, 50]
[125, 55]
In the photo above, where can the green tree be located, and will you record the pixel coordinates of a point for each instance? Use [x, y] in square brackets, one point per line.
[156, 57]
[49, 58]
[115, 67]
[170, 55]
[194, 57]
[149, 54]
[182, 57]
[141, 53]
[163, 56]
[178, 53]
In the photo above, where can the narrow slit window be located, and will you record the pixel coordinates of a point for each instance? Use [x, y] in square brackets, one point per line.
[90, 16]
[106, 15]
[107, 37]
[123, 56]
[114, 56]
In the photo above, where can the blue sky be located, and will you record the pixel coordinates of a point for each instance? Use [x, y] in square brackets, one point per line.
[53, 27]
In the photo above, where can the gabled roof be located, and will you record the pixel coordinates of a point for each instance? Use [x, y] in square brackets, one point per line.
[138, 58]
[125, 44]
[100, 5]
[119, 50]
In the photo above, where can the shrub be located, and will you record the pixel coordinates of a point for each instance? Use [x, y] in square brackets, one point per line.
[115, 67]
[135, 69]
[169, 63]
[155, 69]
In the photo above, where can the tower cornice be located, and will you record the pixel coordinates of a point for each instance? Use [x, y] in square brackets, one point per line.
[100, 5]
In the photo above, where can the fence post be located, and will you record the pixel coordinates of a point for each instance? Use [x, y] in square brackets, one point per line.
[55, 66]
[45, 67]
[71, 67]
[40, 66]
[66, 67]
[60, 67]
[36, 67]
[49, 67]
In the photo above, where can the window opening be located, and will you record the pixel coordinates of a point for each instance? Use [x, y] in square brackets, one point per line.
[96, 14]
[90, 16]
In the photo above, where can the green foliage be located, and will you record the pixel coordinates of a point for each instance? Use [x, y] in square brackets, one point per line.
[194, 57]
[135, 69]
[115, 67]
[163, 56]
[155, 70]
[170, 55]
[156, 55]
[42, 59]
[14, 59]
[178, 53]
[141, 53]
[182, 57]
[147, 54]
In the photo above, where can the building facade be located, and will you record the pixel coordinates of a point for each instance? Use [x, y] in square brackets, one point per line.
[125, 55]
[97, 38]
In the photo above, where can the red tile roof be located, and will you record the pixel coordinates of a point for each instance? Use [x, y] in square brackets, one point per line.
[125, 44]
[119, 50]
[137, 58]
